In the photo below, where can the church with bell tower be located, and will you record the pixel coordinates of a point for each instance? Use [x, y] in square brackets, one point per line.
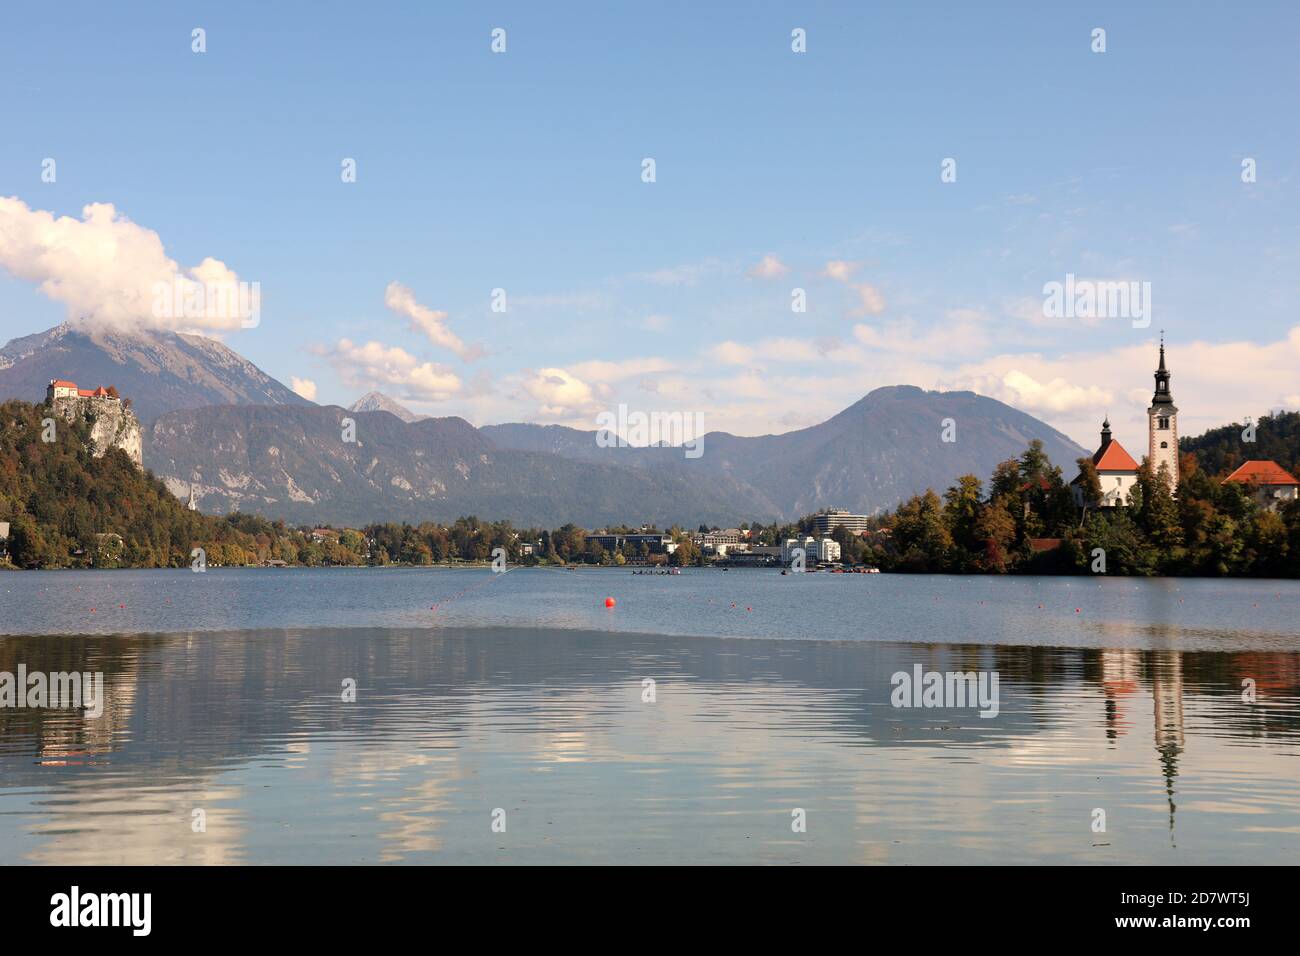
[1162, 425]
[1117, 471]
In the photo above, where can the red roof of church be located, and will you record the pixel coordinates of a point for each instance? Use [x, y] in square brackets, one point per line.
[63, 383]
[1263, 473]
[1114, 458]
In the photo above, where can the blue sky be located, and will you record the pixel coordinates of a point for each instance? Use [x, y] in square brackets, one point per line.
[522, 171]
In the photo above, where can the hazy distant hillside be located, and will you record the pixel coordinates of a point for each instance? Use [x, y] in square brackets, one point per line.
[553, 439]
[868, 457]
[292, 463]
[158, 371]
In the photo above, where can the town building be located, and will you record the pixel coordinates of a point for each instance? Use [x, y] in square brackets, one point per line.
[789, 545]
[655, 543]
[1272, 485]
[816, 550]
[824, 522]
[721, 543]
[764, 557]
[826, 550]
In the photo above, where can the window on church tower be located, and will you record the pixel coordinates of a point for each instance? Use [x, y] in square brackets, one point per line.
[1164, 444]
[1162, 422]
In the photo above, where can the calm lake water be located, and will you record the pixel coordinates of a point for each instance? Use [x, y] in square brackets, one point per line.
[523, 693]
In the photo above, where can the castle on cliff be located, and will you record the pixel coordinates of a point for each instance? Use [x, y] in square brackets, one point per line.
[62, 388]
[112, 424]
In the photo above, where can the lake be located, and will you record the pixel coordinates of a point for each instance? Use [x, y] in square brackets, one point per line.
[711, 717]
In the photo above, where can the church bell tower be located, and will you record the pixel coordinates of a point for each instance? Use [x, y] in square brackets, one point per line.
[1163, 425]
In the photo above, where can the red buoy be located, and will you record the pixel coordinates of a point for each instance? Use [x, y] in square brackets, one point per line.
[610, 602]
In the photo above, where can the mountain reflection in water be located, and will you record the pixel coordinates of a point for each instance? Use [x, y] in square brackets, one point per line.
[551, 726]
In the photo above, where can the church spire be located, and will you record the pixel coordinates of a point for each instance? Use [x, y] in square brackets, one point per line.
[1163, 396]
[1105, 433]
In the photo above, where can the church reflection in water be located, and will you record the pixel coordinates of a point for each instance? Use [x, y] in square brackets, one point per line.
[1121, 671]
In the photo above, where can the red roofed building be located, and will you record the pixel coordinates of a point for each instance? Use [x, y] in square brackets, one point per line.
[1116, 469]
[1273, 485]
[62, 388]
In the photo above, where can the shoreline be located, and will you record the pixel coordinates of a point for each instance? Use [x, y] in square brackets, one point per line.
[629, 569]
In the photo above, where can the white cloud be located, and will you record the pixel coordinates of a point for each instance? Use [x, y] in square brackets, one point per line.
[375, 365]
[304, 387]
[598, 370]
[107, 270]
[730, 353]
[870, 299]
[669, 387]
[941, 344]
[1213, 384]
[1027, 393]
[430, 322]
[769, 267]
[559, 392]
[839, 270]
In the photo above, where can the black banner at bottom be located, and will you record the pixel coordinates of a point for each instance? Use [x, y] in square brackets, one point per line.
[302, 904]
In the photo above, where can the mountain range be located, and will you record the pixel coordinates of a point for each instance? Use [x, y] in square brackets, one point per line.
[218, 425]
[883, 448]
[158, 371]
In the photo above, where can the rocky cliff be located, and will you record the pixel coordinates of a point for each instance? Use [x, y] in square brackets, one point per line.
[112, 424]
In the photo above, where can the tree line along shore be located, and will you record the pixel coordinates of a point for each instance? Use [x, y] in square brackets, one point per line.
[69, 509]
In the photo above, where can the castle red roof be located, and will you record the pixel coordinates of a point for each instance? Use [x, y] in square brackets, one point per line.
[100, 392]
[1114, 458]
[1262, 473]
